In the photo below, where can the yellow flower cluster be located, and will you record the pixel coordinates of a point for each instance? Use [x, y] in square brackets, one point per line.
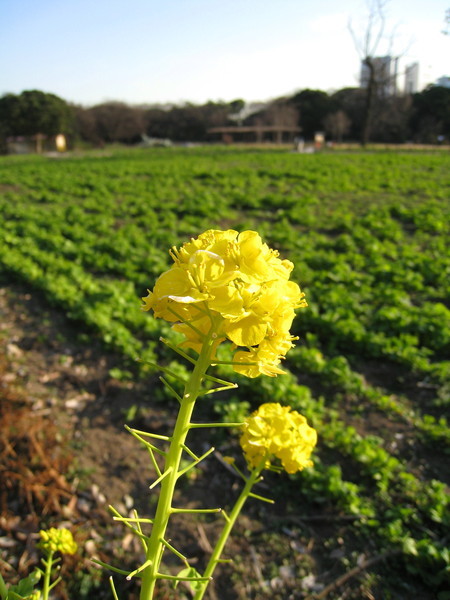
[237, 284]
[57, 540]
[277, 431]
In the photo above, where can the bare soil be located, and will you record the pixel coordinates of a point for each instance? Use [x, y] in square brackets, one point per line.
[65, 386]
[59, 378]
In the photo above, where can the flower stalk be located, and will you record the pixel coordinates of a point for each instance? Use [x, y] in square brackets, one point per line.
[157, 542]
[48, 564]
[223, 286]
[230, 522]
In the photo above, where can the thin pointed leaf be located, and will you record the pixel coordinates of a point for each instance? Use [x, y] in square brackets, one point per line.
[225, 561]
[262, 498]
[189, 451]
[138, 525]
[178, 350]
[225, 516]
[133, 520]
[110, 567]
[196, 510]
[148, 445]
[163, 369]
[188, 323]
[55, 583]
[217, 380]
[232, 363]
[113, 589]
[175, 551]
[181, 577]
[197, 425]
[153, 459]
[219, 389]
[139, 569]
[127, 523]
[171, 389]
[157, 436]
[195, 462]
[155, 483]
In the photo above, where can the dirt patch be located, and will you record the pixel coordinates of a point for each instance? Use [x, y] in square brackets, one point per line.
[281, 551]
[69, 383]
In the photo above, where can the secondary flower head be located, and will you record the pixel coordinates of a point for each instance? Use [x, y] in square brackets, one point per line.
[277, 431]
[236, 284]
[57, 540]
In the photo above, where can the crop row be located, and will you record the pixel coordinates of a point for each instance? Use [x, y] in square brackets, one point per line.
[368, 236]
[390, 503]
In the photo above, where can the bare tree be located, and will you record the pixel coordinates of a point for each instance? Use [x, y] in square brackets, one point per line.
[337, 124]
[446, 30]
[378, 76]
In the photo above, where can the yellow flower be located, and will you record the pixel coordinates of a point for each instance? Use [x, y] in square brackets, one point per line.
[277, 431]
[194, 337]
[248, 364]
[57, 540]
[264, 358]
[235, 283]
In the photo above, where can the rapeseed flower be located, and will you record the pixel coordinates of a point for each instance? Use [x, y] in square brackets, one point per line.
[57, 540]
[275, 431]
[236, 284]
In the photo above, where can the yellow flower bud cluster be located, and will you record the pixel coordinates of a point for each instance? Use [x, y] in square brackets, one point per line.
[57, 540]
[237, 283]
[277, 431]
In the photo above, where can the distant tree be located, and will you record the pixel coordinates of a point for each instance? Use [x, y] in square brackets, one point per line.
[367, 44]
[190, 122]
[180, 123]
[392, 120]
[215, 114]
[312, 106]
[35, 112]
[159, 123]
[118, 122]
[86, 125]
[446, 30]
[8, 116]
[236, 105]
[337, 124]
[431, 114]
[352, 102]
[280, 112]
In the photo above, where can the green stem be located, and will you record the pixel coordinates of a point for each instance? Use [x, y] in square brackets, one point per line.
[155, 547]
[230, 521]
[47, 574]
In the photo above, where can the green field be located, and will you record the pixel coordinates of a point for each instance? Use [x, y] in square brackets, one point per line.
[368, 234]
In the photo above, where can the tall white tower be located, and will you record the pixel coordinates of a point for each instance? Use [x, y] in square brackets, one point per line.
[412, 78]
[385, 75]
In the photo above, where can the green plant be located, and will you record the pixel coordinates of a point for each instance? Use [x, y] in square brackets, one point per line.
[52, 541]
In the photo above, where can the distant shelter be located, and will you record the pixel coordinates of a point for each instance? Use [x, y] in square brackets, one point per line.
[259, 134]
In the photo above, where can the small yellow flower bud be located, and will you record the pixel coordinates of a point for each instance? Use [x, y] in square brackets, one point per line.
[57, 540]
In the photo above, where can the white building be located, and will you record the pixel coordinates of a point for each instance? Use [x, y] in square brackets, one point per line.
[412, 78]
[385, 75]
[444, 81]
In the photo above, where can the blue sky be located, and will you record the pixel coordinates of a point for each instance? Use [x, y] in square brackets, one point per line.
[147, 51]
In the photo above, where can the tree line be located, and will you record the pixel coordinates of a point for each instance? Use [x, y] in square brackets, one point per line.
[423, 117]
